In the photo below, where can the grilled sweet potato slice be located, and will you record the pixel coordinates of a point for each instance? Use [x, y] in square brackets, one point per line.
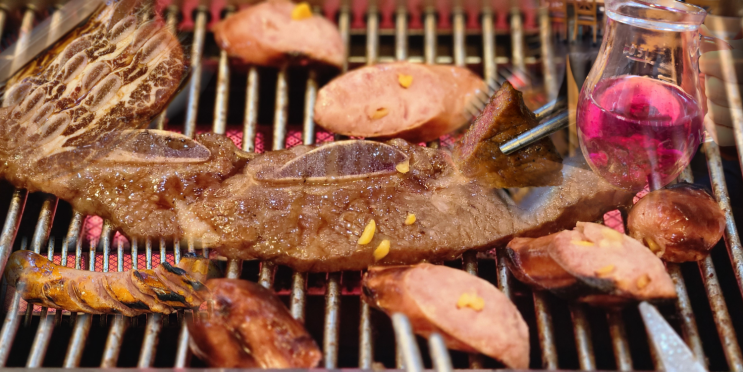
[470, 313]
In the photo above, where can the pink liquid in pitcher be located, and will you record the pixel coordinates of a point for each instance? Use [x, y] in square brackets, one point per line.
[636, 131]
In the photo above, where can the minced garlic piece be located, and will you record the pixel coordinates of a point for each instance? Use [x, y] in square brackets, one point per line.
[301, 11]
[382, 250]
[582, 243]
[654, 247]
[605, 270]
[410, 219]
[379, 113]
[643, 281]
[612, 235]
[405, 80]
[403, 167]
[472, 301]
[368, 233]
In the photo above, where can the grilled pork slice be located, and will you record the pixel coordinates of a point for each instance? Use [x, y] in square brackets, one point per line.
[276, 31]
[592, 263]
[131, 293]
[535, 165]
[249, 326]
[470, 313]
[405, 100]
[678, 223]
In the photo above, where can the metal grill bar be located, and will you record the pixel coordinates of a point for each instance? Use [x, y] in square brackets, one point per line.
[545, 331]
[197, 51]
[223, 87]
[118, 325]
[439, 353]
[548, 57]
[182, 352]
[154, 321]
[332, 320]
[406, 340]
[250, 126]
[459, 51]
[683, 306]
[732, 239]
[429, 36]
[517, 40]
[582, 337]
[488, 44]
[10, 229]
[619, 340]
[709, 276]
[46, 326]
[82, 321]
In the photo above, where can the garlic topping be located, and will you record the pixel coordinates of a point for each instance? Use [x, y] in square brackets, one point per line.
[382, 250]
[301, 11]
[405, 80]
[368, 234]
[471, 300]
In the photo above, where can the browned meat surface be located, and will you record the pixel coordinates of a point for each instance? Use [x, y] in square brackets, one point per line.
[162, 290]
[306, 207]
[406, 100]
[479, 154]
[470, 313]
[678, 223]
[249, 326]
[592, 263]
[275, 31]
[78, 101]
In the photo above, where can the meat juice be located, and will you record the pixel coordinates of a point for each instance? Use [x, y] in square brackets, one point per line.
[636, 131]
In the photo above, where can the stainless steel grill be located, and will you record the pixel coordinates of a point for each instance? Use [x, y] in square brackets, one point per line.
[583, 338]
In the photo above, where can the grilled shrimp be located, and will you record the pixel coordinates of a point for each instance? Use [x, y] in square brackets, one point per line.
[133, 292]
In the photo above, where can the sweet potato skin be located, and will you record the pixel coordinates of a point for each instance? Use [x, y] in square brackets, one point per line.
[428, 295]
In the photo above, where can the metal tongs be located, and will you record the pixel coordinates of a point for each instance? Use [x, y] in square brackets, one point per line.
[672, 353]
[553, 124]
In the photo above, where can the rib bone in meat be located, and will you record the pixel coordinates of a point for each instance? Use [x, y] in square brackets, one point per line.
[69, 128]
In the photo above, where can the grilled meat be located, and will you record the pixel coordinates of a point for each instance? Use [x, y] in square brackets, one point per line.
[83, 97]
[439, 298]
[678, 223]
[276, 31]
[162, 290]
[249, 326]
[405, 100]
[592, 263]
[479, 153]
[306, 207]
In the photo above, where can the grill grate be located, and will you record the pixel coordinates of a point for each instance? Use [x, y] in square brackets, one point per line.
[303, 289]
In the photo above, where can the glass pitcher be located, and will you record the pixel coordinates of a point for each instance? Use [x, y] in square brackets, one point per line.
[639, 117]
